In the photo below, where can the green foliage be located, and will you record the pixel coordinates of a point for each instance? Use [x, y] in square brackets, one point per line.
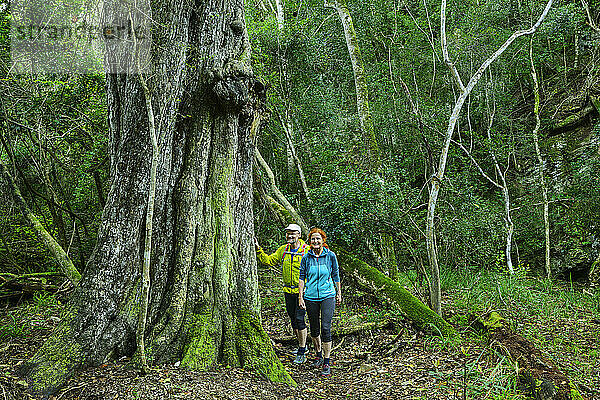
[400, 49]
[56, 137]
[22, 322]
[543, 311]
[56, 129]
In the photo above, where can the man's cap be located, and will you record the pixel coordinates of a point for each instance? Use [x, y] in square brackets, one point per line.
[293, 227]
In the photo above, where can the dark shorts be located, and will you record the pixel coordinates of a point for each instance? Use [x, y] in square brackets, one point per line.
[324, 310]
[295, 313]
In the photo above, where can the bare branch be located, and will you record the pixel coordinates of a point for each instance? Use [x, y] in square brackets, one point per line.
[447, 60]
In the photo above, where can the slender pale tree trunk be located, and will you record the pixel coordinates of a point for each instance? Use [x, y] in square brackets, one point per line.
[285, 117]
[281, 199]
[371, 148]
[59, 254]
[538, 153]
[503, 186]
[510, 227]
[289, 134]
[438, 176]
[595, 273]
[590, 19]
[372, 155]
[143, 314]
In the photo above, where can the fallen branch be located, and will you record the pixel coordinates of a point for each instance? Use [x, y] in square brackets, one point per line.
[395, 344]
[390, 291]
[538, 372]
[18, 285]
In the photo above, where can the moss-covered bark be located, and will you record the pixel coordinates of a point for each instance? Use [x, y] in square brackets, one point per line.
[204, 303]
[574, 121]
[61, 355]
[254, 349]
[387, 289]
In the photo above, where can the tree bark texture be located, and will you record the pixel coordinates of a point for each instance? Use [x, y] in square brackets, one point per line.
[204, 306]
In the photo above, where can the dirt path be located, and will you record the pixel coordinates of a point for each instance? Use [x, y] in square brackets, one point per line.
[377, 364]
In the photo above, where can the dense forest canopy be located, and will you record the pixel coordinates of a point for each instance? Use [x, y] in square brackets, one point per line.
[54, 134]
[411, 94]
[350, 137]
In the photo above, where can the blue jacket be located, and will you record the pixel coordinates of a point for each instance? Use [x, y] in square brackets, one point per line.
[319, 274]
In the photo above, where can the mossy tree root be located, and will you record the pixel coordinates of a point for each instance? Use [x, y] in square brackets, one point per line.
[385, 288]
[255, 351]
[56, 361]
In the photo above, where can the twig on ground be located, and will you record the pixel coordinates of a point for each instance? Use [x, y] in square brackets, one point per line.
[70, 390]
[339, 344]
[395, 348]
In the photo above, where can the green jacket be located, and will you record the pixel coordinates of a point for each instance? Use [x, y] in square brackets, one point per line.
[289, 261]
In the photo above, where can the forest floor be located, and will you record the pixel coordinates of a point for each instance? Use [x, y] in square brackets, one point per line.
[391, 362]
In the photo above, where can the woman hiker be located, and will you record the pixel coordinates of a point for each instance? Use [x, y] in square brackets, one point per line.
[319, 289]
[289, 256]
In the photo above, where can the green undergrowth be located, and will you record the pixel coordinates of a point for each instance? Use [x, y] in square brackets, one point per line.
[519, 295]
[23, 321]
[560, 318]
[273, 299]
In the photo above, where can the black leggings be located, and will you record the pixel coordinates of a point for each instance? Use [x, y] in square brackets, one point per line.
[295, 313]
[323, 309]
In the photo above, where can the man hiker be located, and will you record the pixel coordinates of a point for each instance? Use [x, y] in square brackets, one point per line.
[289, 256]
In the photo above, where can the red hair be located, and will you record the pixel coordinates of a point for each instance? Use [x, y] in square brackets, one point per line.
[320, 232]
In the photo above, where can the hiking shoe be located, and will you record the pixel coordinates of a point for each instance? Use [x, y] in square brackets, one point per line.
[300, 359]
[295, 352]
[326, 371]
[317, 362]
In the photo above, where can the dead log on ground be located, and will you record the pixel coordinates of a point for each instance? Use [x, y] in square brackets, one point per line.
[14, 286]
[537, 372]
[339, 331]
[386, 289]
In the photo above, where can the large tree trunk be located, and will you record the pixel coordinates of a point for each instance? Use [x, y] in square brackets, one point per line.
[204, 304]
